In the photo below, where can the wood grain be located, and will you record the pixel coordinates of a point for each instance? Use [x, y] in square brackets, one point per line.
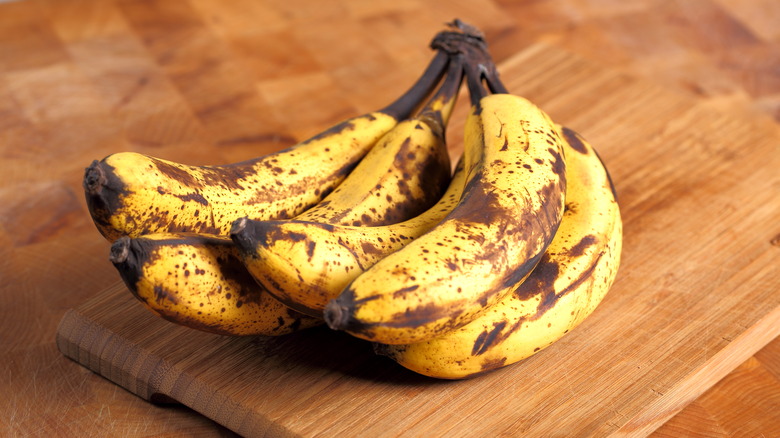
[84, 78]
[667, 331]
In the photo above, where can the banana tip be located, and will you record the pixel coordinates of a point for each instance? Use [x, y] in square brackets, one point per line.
[240, 233]
[94, 178]
[120, 250]
[380, 349]
[336, 315]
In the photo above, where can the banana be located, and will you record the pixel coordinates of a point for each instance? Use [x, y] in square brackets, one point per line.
[131, 194]
[571, 279]
[199, 281]
[509, 211]
[403, 175]
[307, 263]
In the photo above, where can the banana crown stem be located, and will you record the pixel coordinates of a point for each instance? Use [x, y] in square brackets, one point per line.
[479, 67]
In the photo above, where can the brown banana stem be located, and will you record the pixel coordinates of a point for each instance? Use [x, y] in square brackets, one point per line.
[405, 105]
[449, 88]
[476, 87]
[470, 41]
[494, 83]
[438, 110]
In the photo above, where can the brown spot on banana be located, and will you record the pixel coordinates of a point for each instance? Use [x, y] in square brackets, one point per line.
[175, 173]
[486, 367]
[193, 197]
[310, 249]
[487, 338]
[579, 249]
[542, 279]
[574, 140]
[333, 130]
[232, 267]
[163, 294]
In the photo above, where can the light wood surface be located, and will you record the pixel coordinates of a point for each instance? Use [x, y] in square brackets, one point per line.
[204, 81]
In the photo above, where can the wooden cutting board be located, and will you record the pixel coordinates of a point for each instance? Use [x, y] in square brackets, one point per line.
[697, 294]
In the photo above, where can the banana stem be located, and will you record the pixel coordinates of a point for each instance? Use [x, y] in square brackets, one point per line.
[494, 83]
[475, 85]
[439, 108]
[405, 105]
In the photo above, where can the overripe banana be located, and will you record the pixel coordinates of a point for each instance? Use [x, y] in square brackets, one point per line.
[130, 194]
[571, 279]
[404, 174]
[198, 281]
[510, 209]
[309, 263]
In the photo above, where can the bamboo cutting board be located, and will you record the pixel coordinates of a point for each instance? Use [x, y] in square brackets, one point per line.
[697, 294]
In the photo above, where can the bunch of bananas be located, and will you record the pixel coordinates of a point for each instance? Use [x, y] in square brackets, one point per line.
[365, 228]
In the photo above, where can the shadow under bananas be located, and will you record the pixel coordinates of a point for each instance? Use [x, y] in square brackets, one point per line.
[322, 351]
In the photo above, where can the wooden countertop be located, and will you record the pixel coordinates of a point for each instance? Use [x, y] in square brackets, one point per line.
[204, 81]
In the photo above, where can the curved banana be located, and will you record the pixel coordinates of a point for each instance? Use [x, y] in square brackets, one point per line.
[511, 207]
[307, 263]
[130, 194]
[199, 281]
[404, 174]
[571, 279]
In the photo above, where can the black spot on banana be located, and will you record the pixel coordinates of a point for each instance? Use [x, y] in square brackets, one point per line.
[510, 209]
[131, 194]
[199, 281]
[571, 279]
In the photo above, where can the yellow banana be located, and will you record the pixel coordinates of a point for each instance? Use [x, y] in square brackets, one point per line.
[403, 175]
[511, 207]
[130, 194]
[198, 281]
[307, 263]
[571, 279]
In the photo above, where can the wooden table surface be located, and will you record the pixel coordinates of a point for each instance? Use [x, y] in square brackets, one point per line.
[207, 81]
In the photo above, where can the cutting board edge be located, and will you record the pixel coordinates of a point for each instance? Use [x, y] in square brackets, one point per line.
[89, 344]
[744, 346]
[76, 338]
